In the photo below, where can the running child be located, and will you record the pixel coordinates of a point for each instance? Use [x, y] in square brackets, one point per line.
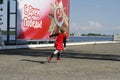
[60, 44]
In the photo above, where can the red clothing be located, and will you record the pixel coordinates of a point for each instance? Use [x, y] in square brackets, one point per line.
[59, 42]
[60, 39]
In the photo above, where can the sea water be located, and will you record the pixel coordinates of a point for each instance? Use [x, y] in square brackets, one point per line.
[77, 38]
[90, 38]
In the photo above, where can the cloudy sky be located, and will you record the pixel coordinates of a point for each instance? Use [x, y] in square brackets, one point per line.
[95, 16]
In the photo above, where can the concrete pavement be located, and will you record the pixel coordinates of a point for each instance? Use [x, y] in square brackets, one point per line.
[81, 62]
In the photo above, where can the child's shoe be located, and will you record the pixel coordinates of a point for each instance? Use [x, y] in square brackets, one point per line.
[49, 59]
[58, 60]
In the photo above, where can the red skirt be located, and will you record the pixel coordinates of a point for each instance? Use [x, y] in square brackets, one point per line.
[59, 46]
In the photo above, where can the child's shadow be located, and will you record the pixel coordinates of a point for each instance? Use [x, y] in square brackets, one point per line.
[41, 62]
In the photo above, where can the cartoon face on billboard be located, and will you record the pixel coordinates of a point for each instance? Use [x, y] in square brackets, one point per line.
[38, 19]
[58, 15]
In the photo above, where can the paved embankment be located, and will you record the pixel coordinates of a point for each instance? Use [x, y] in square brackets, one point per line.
[81, 62]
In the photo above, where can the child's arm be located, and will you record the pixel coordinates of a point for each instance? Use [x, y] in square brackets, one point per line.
[64, 41]
[53, 35]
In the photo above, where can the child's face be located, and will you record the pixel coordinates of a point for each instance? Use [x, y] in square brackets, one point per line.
[65, 32]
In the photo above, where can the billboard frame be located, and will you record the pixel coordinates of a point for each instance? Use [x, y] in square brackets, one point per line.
[9, 28]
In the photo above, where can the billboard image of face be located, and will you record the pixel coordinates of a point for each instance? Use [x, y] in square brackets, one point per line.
[37, 19]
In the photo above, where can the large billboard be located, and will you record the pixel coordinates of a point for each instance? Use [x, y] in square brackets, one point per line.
[37, 19]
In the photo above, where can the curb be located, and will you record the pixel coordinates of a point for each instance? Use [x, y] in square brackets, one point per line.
[49, 45]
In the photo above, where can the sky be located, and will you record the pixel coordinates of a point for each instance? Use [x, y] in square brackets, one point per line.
[95, 16]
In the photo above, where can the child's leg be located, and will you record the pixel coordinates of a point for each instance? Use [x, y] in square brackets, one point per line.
[55, 52]
[58, 56]
[52, 55]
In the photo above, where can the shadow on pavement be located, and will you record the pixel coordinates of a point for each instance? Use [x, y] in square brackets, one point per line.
[66, 54]
[28, 52]
[42, 62]
[80, 55]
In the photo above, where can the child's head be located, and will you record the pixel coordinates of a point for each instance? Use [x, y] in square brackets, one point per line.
[62, 29]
